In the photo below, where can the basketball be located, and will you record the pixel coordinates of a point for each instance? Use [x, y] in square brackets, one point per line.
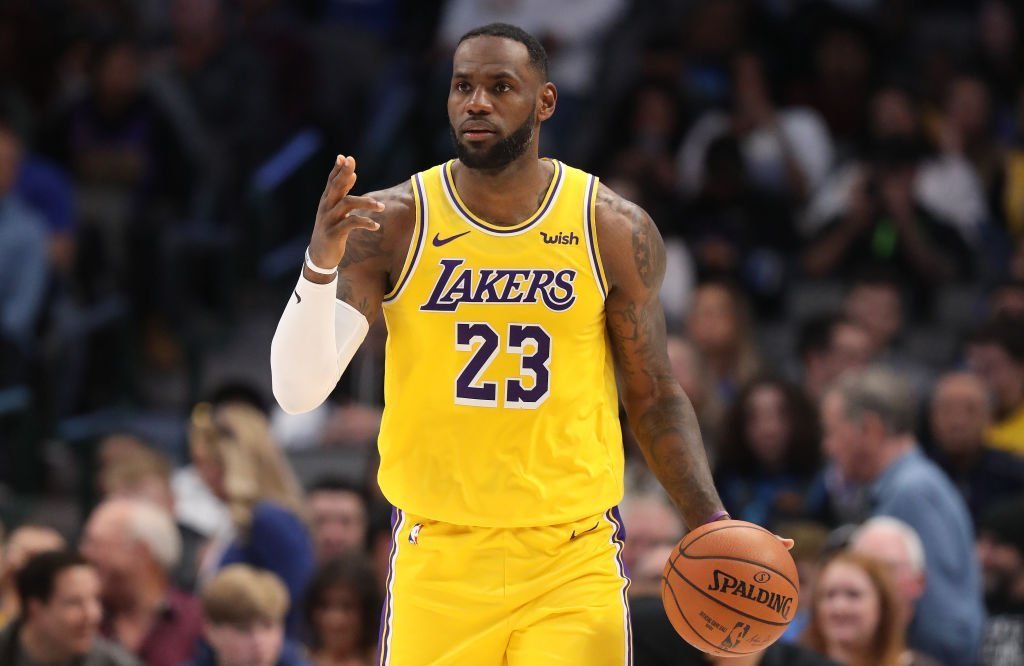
[730, 588]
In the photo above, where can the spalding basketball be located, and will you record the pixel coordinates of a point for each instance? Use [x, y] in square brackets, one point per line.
[730, 588]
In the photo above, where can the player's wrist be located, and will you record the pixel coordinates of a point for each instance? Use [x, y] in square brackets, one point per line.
[319, 270]
[716, 516]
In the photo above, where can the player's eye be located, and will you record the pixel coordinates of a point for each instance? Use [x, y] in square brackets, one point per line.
[502, 88]
[462, 86]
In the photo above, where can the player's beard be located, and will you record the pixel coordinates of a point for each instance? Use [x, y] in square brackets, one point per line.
[499, 155]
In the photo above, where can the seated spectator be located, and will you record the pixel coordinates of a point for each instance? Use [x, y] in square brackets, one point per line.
[654, 528]
[24, 266]
[827, 347]
[237, 459]
[868, 424]
[134, 546]
[59, 593]
[142, 473]
[897, 546]
[885, 224]
[960, 416]
[720, 328]
[694, 377]
[342, 611]
[855, 614]
[23, 543]
[243, 620]
[995, 352]
[1001, 553]
[787, 151]
[768, 453]
[338, 516]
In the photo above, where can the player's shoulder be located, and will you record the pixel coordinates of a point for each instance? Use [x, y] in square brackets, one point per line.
[399, 204]
[616, 215]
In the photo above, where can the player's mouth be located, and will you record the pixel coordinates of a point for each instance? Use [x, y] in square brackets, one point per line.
[477, 131]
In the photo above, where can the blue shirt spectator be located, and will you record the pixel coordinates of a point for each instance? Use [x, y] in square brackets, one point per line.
[23, 269]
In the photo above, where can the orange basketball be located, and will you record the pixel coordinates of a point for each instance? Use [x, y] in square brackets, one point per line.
[730, 588]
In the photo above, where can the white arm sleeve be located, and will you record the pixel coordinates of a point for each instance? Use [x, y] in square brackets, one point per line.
[315, 340]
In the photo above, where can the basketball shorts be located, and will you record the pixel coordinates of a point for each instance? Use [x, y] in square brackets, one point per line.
[530, 596]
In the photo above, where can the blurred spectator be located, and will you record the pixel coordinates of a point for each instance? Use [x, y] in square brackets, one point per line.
[896, 545]
[828, 347]
[868, 424]
[338, 516]
[885, 225]
[1006, 299]
[995, 352]
[60, 595]
[808, 552]
[243, 620]
[736, 228]
[855, 614]
[238, 460]
[786, 151]
[720, 328]
[22, 544]
[141, 473]
[342, 609]
[1001, 553]
[960, 416]
[769, 453]
[24, 266]
[134, 546]
[694, 377]
[965, 128]
[654, 529]
[943, 185]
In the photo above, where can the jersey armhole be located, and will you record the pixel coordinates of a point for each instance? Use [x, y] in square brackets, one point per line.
[419, 232]
[590, 233]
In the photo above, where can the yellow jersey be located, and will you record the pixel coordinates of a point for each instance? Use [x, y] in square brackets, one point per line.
[501, 408]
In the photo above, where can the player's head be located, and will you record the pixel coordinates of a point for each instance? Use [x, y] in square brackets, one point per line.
[499, 94]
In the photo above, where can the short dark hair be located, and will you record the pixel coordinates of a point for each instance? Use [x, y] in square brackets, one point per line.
[815, 335]
[1005, 332]
[337, 484]
[36, 579]
[538, 56]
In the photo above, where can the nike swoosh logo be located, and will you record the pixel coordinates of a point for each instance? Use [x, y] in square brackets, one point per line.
[574, 535]
[438, 241]
[298, 299]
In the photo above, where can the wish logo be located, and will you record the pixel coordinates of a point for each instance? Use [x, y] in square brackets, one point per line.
[456, 285]
[560, 238]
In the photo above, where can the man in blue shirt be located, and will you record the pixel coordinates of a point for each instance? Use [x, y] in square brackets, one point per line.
[868, 421]
[24, 266]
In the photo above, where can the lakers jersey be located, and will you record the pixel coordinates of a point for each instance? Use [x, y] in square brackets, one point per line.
[500, 401]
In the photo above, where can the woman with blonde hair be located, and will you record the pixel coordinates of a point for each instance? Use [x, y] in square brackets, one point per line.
[855, 616]
[237, 458]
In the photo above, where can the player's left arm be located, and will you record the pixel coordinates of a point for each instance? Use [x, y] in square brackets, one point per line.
[660, 414]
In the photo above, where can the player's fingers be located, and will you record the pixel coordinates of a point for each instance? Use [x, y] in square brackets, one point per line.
[353, 222]
[342, 183]
[788, 543]
[353, 203]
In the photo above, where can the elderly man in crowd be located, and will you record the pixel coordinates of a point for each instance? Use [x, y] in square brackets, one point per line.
[135, 546]
[868, 426]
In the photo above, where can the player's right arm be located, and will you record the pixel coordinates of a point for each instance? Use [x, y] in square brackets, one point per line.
[327, 317]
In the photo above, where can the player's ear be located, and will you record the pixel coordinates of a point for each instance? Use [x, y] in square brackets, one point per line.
[546, 101]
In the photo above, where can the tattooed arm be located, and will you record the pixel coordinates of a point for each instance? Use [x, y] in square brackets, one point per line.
[660, 414]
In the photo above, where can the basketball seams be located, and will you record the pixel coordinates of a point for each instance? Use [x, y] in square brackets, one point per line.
[718, 649]
[762, 565]
[722, 604]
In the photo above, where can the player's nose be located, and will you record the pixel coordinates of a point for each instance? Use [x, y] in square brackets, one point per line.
[479, 101]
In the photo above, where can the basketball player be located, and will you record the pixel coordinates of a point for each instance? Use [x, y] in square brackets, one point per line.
[514, 290]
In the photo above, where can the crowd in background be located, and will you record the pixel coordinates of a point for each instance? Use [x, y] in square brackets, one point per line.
[840, 187]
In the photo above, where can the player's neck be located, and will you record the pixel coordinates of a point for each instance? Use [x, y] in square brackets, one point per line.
[504, 196]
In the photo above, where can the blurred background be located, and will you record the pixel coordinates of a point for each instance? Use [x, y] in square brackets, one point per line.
[840, 184]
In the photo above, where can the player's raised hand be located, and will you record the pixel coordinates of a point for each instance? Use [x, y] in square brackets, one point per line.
[339, 213]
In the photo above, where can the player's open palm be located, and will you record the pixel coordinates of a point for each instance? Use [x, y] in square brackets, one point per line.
[339, 213]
